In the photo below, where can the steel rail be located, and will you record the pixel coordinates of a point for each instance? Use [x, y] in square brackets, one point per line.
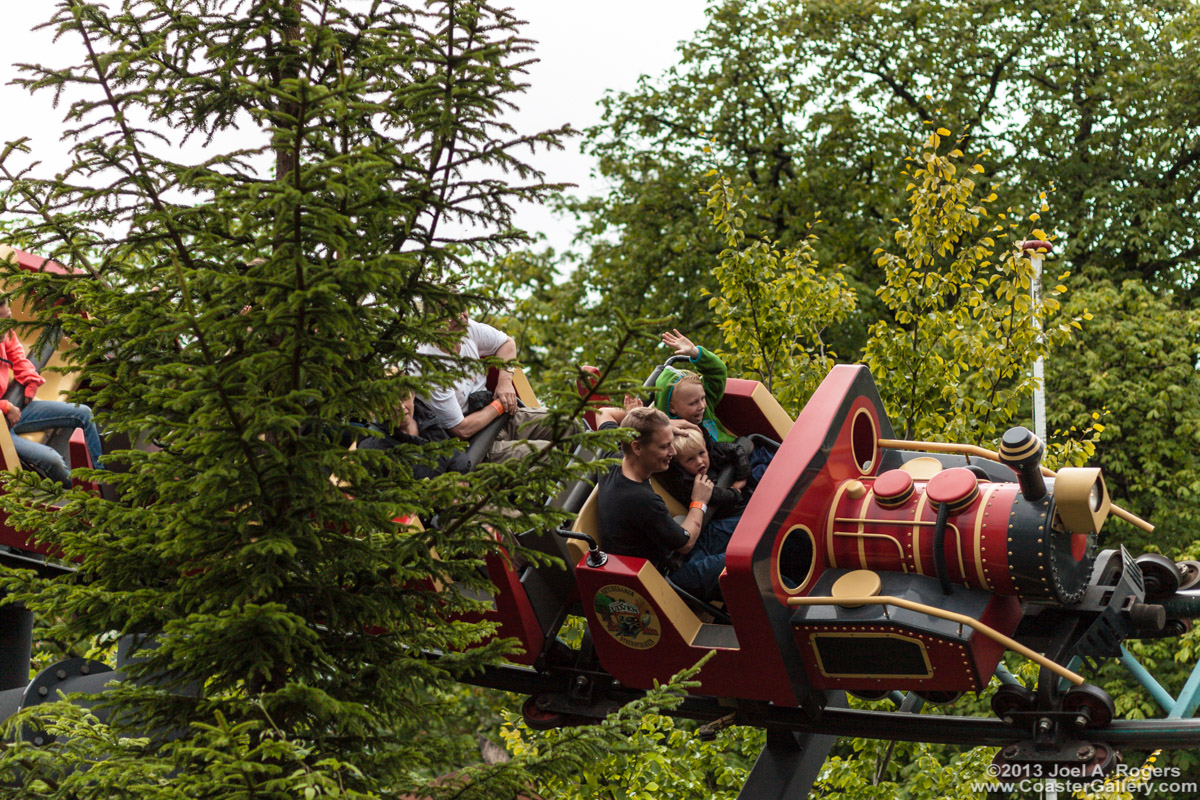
[1151, 734]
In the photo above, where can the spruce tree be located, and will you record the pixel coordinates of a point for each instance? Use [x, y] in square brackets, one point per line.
[271, 204]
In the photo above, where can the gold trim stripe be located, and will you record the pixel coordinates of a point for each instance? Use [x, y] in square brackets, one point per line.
[991, 455]
[837, 498]
[864, 535]
[987, 496]
[916, 532]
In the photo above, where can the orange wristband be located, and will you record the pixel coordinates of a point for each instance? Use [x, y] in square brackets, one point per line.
[496, 404]
[702, 506]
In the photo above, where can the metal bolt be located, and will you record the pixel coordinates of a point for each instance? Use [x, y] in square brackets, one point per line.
[1044, 724]
[43, 691]
[84, 669]
[1011, 751]
[39, 740]
[581, 681]
[1081, 721]
[61, 674]
[1008, 719]
[1085, 753]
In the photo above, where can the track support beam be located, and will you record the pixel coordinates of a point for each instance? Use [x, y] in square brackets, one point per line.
[790, 762]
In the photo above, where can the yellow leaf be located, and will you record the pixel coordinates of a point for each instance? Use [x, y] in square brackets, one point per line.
[943, 132]
[1038, 233]
[1098, 427]
[1034, 217]
[977, 168]
[1060, 288]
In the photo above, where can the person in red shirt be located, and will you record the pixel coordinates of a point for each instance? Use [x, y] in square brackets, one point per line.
[40, 415]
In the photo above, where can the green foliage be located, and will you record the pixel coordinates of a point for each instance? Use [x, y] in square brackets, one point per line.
[911, 771]
[239, 310]
[1137, 359]
[663, 759]
[814, 104]
[954, 361]
[773, 307]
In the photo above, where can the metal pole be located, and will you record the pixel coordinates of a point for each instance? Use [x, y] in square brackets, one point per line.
[1036, 251]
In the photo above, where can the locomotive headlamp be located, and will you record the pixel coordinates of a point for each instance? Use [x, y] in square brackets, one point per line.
[1081, 500]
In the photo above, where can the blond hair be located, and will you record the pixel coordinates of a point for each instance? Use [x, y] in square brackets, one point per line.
[688, 442]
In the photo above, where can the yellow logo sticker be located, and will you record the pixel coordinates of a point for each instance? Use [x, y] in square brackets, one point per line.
[627, 617]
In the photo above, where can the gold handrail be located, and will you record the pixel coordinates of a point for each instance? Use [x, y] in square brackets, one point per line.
[992, 455]
[961, 619]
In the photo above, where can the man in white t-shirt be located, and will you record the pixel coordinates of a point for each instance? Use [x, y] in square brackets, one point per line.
[449, 403]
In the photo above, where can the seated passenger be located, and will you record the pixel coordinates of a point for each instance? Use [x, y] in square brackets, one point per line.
[727, 503]
[457, 406]
[634, 521]
[693, 397]
[417, 427]
[40, 415]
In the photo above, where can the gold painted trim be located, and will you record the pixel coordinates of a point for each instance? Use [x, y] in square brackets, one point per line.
[916, 532]
[874, 442]
[983, 507]
[888, 536]
[7, 448]
[670, 605]
[990, 455]
[961, 619]
[770, 408]
[812, 564]
[862, 543]
[837, 498]
[958, 547]
[901, 522]
[922, 468]
[854, 635]
[524, 389]
[962, 567]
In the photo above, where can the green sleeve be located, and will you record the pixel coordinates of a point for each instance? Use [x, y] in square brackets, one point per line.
[712, 371]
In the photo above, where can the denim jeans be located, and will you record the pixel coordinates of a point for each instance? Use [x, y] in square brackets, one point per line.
[40, 415]
[699, 574]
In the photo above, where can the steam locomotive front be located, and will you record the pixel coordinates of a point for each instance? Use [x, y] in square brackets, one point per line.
[1034, 538]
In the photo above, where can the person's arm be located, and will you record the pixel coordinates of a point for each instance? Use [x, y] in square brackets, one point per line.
[445, 412]
[609, 414]
[505, 392]
[23, 371]
[713, 372]
[694, 521]
[684, 425]
[473, 423]
[711, 368]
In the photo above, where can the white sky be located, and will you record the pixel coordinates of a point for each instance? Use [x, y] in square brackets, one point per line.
[585, 49]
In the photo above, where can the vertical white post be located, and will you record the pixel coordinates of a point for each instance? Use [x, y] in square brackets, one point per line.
[1036, 251]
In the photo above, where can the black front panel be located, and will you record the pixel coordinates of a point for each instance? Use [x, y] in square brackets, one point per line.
[852, 656]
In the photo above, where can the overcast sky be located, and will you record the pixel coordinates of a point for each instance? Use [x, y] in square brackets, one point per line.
[585, 49]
